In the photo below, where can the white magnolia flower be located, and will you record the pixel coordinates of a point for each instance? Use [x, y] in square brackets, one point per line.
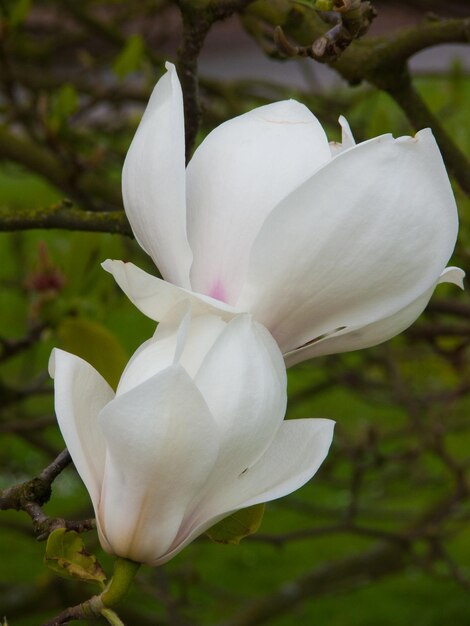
[194, 432]
[331, 247]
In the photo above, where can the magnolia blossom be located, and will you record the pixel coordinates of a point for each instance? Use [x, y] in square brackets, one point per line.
[333, 247]
[194, 432]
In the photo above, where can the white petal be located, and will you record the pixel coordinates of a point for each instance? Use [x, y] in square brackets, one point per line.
[178, 339]
[243, 380]
[162, 444]
[347, 138]
[156, 297]
[153, 181]
[453, 275]
[235, 178]
[160, 351]
[80, 394]
[295, 455]
[364, 237]
[375, 333]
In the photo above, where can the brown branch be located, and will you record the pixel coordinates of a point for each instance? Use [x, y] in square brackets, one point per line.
[40, 160]
[402, 90]
[351, 21]
[380, 561]
[196, 26]
[64, 215]
[459, 308]
[88, 610]
[381, 61]
[11, 347]
[32, 494]
[38, 489]
[197, 23]
[321, 531]
[374, 564]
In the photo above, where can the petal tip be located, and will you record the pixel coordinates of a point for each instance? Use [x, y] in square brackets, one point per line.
[453, 275]
[51, 364]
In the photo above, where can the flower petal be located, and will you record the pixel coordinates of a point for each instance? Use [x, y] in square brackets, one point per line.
[178, 338]
[156, 297]
[364, 237]
[347, 138]
[80, 394]
[162, 444]
[243, 380]
[235, 178]
[349, 339]
[294, 456]
[153, 181]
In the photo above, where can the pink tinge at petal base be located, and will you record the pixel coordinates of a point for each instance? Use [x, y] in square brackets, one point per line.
[218, 292]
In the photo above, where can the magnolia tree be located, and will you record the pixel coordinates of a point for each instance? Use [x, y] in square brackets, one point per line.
[270, 241]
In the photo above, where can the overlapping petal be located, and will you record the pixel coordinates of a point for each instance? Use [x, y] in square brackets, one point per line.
[250, 411]
[293, 458]
[154, 181]
[80, 394]
[156, 297]
[194, 432]
[238, 174]
[160, 450]
[361, 337]
[346, 248]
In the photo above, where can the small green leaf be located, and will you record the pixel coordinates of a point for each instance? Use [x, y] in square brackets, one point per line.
[64, 104]
[19, 12]
[67, 557]
[324, 5]
[94, 343]
[130, 57]
[237, 526]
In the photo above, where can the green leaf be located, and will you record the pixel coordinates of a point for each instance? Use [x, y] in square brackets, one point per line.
[94, 343]
[237, 526]
[67, 557]
[64, 104]
[19, 12]
[130, 57]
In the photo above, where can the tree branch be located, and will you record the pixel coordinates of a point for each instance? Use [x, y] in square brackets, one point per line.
[63, 215]
[381, 61]
[374, 564]
[197, 23]
[38, 489]
[404, 93]
[32, 494]
[82, 185]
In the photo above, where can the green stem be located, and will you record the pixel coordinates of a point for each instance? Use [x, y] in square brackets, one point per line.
[124, 573]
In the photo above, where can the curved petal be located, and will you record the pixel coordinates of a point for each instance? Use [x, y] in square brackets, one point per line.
[179, 338]
[156, 297]
[154, 181]
[162, 444]
[160, 351]
[80, 394]
[361, 239]
[243, 380]
[235, 178]
[349, 339]
[347, 138]
[295, 455]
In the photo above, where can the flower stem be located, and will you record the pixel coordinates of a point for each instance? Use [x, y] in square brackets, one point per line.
[124, 573]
